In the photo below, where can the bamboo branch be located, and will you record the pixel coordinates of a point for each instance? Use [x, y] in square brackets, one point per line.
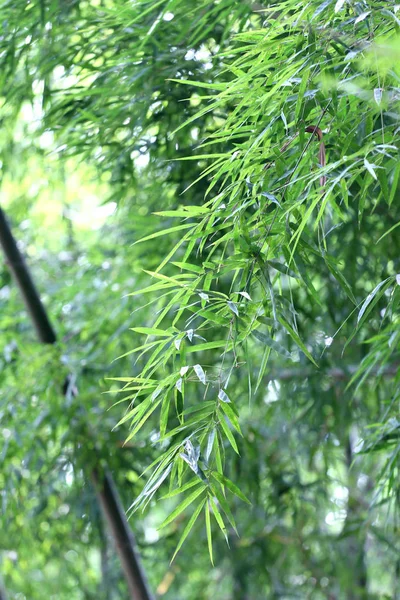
[105, 489]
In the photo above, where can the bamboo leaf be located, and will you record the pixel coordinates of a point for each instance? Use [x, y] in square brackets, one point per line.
[229, 412]
[224, 505]
[189, 526]
[194, 481]
[209, 532]
[228, 433]
[182, 506]
[373, 297]
[265, 339]
[282, 268]
[207, 346]
[218, 518]
[395, 182]
[233, 307]
[198, 369]
[223, 396]
[157, 234]
[296, 339]
[230, 485]
[152, 331]
[300, 96]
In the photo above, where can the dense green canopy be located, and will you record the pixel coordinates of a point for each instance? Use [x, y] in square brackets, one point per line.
[208, 192]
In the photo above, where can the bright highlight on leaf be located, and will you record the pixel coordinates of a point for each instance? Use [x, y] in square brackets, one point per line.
[339, 5]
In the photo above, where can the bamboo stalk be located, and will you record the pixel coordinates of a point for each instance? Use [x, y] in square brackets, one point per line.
[22, 276]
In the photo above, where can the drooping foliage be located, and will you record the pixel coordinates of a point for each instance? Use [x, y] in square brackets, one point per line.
[263, 362]
[267, 242]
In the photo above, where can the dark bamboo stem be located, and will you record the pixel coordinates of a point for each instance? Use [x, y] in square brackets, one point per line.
[23, 278]
[122, 534]
[105, 489]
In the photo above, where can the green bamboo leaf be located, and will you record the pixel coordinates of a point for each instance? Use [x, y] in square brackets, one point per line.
[263, 367]
[135, 412]
[219, 452]
[152, 331]
[189, 526]
[230, 485]
[208, 346]
[303, 272]
[210, 444]
[182, 506]
[219, 519]
[388, 232]
[209, 533]
[198, 421]
[224, 505]
[187, 278]
[189, 267]
[268, 341]
[173, 251]
[282, 268]
[164, 415]
[300, 95]
[373, 297]
[228, 433]
[198, 369]
[216, 490]
[157, 234]
[187, 211]
[133, 380]
[383, 182]
[201, 84]
[345, 193]
[204, 156]
[143, 420]
[395, 182]
[211, 315]
[227, 409]
[340, 278]
[201, 407]
[296, 339]
[370, 169]
[233, 307]
[194, 481]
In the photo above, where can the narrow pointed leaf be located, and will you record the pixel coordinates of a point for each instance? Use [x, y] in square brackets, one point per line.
[189, 526]
[182, 506]
[230, 485]
[209, 532]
